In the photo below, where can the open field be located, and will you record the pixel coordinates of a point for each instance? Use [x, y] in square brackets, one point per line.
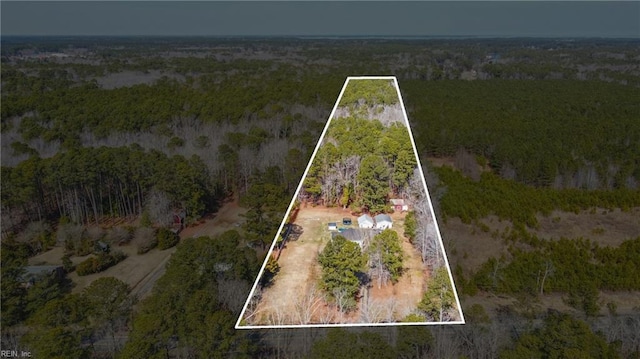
[299, 269]
[605, 227]
[293, 294]
[470, 246]
[474, 246]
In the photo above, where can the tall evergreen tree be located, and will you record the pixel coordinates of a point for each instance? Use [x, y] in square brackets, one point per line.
[373, 183]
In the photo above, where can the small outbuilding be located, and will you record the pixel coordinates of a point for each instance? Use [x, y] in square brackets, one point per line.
[333, 226]
[383, 221]
[399, 205]
[365, 221]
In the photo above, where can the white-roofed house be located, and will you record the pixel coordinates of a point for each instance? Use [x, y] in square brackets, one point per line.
[383, 221]
[365, 221]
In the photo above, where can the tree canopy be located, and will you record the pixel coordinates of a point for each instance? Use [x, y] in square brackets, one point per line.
[343, 265]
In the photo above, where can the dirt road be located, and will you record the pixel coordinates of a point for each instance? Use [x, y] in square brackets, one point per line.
[228, 217]
[141, 271]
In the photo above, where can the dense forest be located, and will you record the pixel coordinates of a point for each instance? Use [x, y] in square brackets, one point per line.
[585, 135]
[96, 130]
[360, 164]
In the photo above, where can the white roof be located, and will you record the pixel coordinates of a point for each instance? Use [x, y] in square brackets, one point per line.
[382, 218]
[365, 218]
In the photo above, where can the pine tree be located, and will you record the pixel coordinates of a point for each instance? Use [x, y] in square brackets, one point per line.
[438, 298]
[373, 183]
[342, 264]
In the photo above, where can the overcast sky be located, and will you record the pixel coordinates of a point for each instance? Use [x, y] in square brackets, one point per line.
[312, 18]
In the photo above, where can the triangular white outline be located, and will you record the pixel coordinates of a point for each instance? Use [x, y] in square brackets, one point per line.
[295, 196]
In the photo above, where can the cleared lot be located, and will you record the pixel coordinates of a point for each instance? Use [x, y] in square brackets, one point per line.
[293, 297]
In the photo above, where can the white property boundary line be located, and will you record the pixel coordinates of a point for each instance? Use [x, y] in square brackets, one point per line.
[295, 196]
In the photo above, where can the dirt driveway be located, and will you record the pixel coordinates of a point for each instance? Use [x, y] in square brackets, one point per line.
[299, 269]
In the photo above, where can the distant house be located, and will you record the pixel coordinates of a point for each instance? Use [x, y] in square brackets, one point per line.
[399, 205]
[333, 226]
[383, 221]
[32, 273]
[365, 221]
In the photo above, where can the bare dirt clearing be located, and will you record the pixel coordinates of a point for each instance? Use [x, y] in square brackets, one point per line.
[473, 246]
[405, 295]
[466, 243]
[131, 78]
[132, 270]
[606, 227]
[283, 301]
[299, 268]
[228, 217]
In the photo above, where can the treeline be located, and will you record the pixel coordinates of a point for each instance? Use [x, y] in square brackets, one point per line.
[370, 93]
[87, 184]
[576, 267]
[575, 133]
[517, 202]
[581, 134]
[266, 201]
[558, 336]
[58, 106]
[360, 163]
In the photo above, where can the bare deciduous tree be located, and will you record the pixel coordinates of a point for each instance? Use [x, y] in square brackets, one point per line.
[343, 302]
[117, 235]
[251, 312]
[426, 238]
[159, 208]
[307, 305]
[70, 234]
[248, 161]
[370, 310]
[231, 292]
[377, 269]
[482, 341]
[278, 316]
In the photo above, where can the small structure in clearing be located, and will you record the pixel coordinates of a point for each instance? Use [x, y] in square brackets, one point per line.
[333, 226]
[399, 205]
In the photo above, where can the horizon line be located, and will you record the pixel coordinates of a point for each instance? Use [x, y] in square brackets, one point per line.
[324, 36]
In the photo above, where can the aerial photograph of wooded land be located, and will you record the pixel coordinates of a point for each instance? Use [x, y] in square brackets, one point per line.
[144, 179]
[360, 244]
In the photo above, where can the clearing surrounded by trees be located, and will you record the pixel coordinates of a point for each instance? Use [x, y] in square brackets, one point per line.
[360, 245]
